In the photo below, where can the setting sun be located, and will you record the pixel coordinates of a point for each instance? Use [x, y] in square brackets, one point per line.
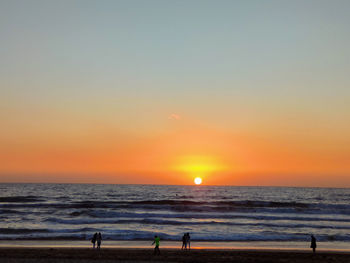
[198, 180]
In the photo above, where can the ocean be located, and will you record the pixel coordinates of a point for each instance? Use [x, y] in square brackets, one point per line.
[208, 213]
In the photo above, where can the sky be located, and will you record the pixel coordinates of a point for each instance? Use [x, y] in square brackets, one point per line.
[160, 92]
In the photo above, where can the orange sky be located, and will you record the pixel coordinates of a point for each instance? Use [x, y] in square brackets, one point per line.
[239, 93]
[183, 150]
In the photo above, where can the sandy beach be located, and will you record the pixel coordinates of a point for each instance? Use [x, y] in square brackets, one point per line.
[41, 255]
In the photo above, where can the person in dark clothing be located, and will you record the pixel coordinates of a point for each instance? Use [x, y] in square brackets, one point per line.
[184, 242]
[313, 243]
[156, 248]
[93, 240]
[188, 240]
[99, 240]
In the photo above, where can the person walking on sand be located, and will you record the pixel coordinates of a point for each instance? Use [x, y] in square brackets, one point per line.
[156, 248]
[313, 243]
[184, 242]
[188, 240]
[99, 240]
[93, 240]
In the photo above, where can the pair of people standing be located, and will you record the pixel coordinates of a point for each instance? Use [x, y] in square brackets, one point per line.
[186, 241]
[97, 237]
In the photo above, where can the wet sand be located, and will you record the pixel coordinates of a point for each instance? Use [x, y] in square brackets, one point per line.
[75, 255]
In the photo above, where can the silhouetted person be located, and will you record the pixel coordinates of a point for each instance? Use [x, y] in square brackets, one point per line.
[156, 248]
[313, 243]
[188, 240]
[93, 240]
[184, 242]
[99, 240]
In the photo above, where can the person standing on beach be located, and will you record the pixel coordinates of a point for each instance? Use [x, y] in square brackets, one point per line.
[188, 240]
[93, 240]
[313, 243]
[184, 241]
[99, 240]
[156, 248]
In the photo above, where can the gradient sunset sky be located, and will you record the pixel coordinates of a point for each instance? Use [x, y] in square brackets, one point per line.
[236, 92]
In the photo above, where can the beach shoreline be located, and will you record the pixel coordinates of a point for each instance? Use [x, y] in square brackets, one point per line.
[207, 245]
[70, 255]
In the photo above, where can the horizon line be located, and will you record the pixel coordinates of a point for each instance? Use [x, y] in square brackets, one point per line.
[194, 185]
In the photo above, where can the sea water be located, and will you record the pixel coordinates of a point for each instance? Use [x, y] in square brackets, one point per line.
[208, 213]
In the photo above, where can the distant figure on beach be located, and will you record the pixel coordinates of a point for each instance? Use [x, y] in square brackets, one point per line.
[184, 242]
[188, 240]
[313, 243]
[156, 248]
[99, 240]
[93, 240]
